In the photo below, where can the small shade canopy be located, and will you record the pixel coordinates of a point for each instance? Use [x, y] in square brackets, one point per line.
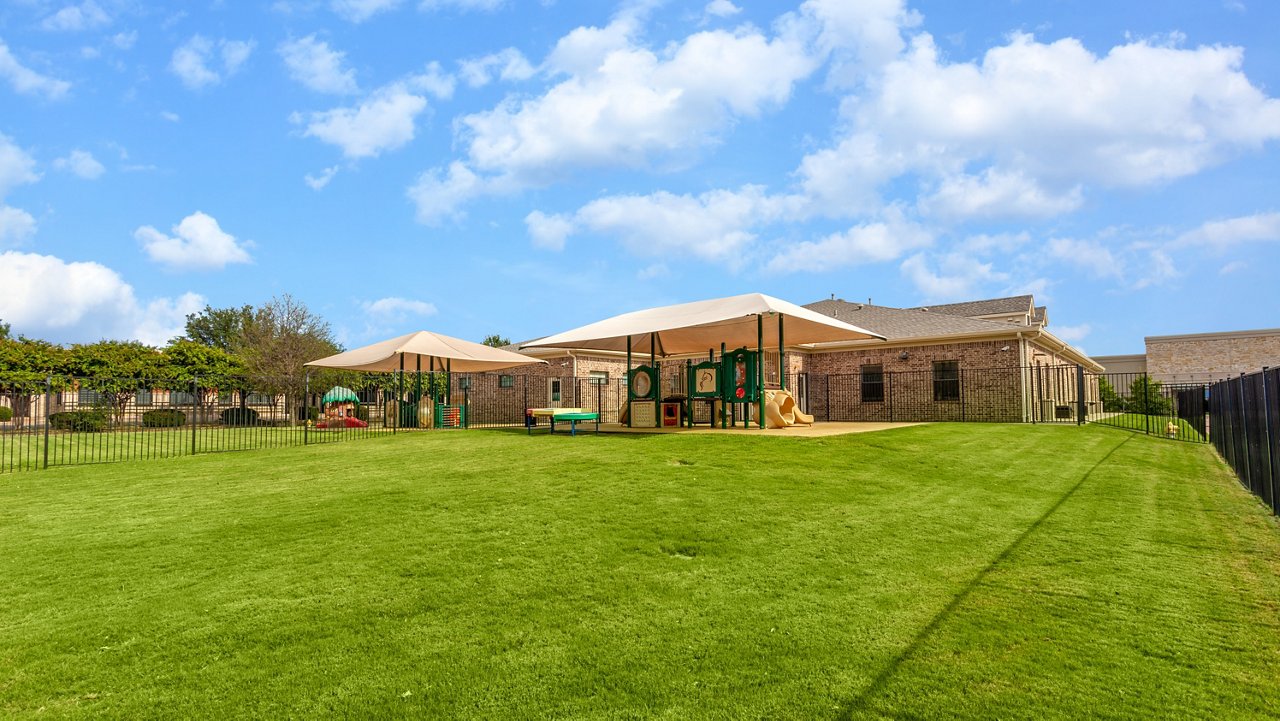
[340, 394]
[692, 328]
[407, 351]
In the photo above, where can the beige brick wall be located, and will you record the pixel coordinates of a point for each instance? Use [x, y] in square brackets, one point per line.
[1209, 358]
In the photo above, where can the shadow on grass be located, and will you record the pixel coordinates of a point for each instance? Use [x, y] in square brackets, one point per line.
[859, 703]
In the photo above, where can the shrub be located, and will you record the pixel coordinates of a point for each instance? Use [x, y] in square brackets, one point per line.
[308, 413]
[164, 418]
[362, 412]
[6, 414]
[240, 417]
[79, 421]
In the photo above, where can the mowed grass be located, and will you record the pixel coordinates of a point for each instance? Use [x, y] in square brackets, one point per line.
[932, 571]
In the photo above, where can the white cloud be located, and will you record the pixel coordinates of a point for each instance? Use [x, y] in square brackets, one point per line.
[193, 60]
[16, 226]
[1158, 268]
[624, 105]
[721, 9]
[434, 81]
[73, 18]
[16, 166]
[548, 231]
[716, 225]
[874, 242]
[1234, 266]
[996, 195]
[26, 81]
[465, 5]
[398, 308]
[314, 64]
[438, 195]
[1090, 255]
[958, 277]
[653, 272]
[124, 40]
[1072, 333]
[198, 243]
[509, 64]
[357, 11]
[1043, 122]
[859, 37]
[93, 303]
[383, 121]
[317, 182]
[171, 116]
[1220, 235]
[82, 164]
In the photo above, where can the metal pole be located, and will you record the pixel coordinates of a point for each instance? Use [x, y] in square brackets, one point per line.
[48, 400]
[657, 395]
[306, 409]
[1080, 412]
[1146, 399]
[724, 377]
[1267, 438]
[760, 367]
[195, 384]
[782, 376]
[627, 378]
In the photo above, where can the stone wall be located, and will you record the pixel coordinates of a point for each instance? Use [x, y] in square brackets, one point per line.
[1211, 356]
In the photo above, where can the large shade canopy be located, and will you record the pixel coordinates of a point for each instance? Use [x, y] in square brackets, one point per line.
[417, 350]
[692, 328]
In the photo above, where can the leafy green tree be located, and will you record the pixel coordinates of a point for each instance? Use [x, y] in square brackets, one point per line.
[4, 331]
[115, 369]
[25, 364]
[210, 370]
[1145, 396]
[496, 341]
[281, 336]
[220, 328]
[1112, 402]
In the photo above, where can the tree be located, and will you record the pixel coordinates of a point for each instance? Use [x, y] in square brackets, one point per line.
[1146, 397]
[4, 330]
[1111, 401]
[496, 341]
[211, 370]
[219, 328]
[281, 336]
[25, 364]
[116, 369]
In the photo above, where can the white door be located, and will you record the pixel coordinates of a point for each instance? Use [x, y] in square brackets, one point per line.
[553, 392]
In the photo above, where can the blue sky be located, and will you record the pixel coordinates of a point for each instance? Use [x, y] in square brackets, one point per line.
[491, 166]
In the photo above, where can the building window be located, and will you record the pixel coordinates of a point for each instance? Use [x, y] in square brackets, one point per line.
[368, 395]
[946, 380]
[598, 378]
[181, 398]
[143, 398]
[88, 397]
[257, 399]
[873, 383]
[506, 381]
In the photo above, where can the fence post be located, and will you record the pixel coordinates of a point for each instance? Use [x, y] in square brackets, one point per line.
[1146, 399]
[1244, 433]
[1080, 409]
[889, 378]
[306, 407]
[48, 401]
[1268, 440]
[195, 414]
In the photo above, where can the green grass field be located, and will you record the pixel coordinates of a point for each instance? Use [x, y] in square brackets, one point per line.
[1153, 425]
[935, 571]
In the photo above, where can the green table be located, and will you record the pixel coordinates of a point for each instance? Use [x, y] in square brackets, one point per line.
[573, 419]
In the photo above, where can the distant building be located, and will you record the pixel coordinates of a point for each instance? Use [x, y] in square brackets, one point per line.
[1200, 357]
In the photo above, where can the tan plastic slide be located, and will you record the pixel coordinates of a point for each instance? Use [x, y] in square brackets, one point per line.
[780, 410]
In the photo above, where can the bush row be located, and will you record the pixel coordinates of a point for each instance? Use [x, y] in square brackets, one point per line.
[6, 414]
[79, 421]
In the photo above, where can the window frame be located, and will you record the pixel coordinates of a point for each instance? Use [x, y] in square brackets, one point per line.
[946, 387]
[865, 373]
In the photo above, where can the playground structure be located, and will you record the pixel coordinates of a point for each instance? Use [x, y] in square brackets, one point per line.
[339, 406]
[734, 386]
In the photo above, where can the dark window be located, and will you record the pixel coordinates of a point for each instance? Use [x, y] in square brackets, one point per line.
[599, 378]
[506, 381]
[946, 380]
[88, 397]
[873, 383]
[144, 397]
[257, 399]
[367, 395]
[181, 398]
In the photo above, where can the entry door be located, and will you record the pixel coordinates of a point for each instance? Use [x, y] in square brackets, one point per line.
[553, 392]
[802, 391]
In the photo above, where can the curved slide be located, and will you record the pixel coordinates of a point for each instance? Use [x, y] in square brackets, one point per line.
[780, 410]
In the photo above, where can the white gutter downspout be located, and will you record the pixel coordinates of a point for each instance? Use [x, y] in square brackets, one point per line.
[575, 363]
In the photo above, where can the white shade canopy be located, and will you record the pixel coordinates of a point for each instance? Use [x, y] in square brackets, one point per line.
[463, 356]
[693, 328]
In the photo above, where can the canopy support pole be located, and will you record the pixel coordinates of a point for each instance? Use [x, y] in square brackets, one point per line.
[782, 373]
[657, 393]
[399, 397]
[417, 390]
[760, 367]
[627, 376]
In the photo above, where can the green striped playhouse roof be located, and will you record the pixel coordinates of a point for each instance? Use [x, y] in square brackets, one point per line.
[339, 394]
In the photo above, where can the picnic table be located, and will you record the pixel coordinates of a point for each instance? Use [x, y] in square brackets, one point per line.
[572, 415]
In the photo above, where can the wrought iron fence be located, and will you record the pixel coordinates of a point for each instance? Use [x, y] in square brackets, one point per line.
[69, 421]
[1243, 416]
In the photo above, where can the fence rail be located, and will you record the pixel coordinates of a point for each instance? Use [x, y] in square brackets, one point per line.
[72, 421]
[1244, 416]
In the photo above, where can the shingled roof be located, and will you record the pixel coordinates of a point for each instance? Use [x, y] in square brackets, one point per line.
[992, 306]
[904, 323]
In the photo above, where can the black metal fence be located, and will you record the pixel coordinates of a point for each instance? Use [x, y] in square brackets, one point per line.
[71, 421]
[1244, 413]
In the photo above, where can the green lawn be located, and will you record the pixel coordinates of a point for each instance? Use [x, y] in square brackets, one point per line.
[934, 571]
[1153, 425]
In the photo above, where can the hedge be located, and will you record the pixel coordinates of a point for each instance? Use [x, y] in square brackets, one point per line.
[164, 418]
[240, 417]
[79, 421]
[6, 414]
